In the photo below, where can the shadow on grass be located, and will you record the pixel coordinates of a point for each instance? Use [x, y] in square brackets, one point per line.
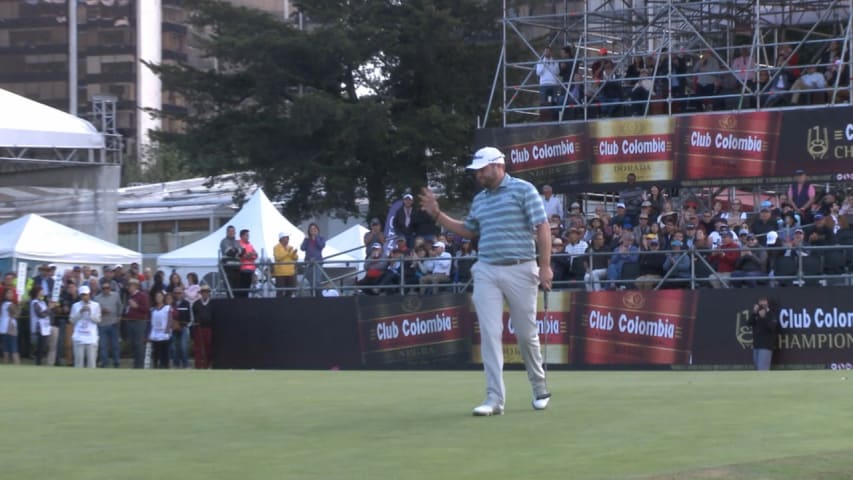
[821, 466]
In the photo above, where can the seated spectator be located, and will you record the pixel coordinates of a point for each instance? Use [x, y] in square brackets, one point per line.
[415, 266]
[393, 272]
[466, 256]
[724, 259]
[560, 264]
[641, 93]
[610, 95]
[780, 84]
[748, 265]
[708, 80]
[651, 263]
[597, 270]
[735, 216]
[763, 224]
[811, 80]
[821, 233]
[576, 247]
[374, 268]
[678, 261]
[438, 268]
[626, 252]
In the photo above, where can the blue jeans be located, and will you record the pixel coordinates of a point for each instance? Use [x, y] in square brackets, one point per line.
[108, 341]
[762, 357]
[180, 347]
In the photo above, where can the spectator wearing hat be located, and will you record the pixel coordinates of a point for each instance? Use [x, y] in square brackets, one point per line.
[763, 224]
[438, 267]
[821, 233]
[721, 226]
[651, 263]
[203, 329]
[285, 257]
[374, 268]
[750, 264]
[575, 209]
[553, 205]
[620, 217]
[403, 220]
[802, 194]
[374, 235]
[45, 278]
[724, 259]
[85, 316]
[797, 246]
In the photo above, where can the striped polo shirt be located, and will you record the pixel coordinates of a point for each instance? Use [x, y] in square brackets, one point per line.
[506, 219]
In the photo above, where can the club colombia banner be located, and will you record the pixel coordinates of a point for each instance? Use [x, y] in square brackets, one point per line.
[691, 150]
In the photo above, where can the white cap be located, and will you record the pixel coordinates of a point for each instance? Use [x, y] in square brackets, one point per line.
[772, 237]
[283, 234]
[438, 244]
[620, 205]
[84, 290]
[486, 156]
[409, 196]
[376, 245]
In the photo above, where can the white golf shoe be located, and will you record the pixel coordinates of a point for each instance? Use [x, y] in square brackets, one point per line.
[487, 410]
[541, 401]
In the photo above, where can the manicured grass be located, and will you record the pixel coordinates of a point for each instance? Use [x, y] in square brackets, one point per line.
[123, 424]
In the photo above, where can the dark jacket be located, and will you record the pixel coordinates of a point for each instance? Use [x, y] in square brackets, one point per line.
[765, 329]
[652, 263]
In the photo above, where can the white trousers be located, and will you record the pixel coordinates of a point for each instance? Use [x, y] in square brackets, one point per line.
[87, 352]
[518, 285]
[593, 279]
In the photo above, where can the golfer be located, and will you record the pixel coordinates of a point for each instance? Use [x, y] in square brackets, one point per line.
[509, 217]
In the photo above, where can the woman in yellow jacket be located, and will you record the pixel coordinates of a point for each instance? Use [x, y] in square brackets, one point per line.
[284, 270]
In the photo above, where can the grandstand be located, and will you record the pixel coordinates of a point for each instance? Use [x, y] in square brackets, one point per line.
[669, 38]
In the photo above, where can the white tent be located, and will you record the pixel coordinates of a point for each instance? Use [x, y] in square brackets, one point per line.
[35, 238]
[35, 125]
[264, 222]
[350, 241]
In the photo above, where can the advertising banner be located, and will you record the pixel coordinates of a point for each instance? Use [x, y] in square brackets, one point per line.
[816, 326]
[414, 330]
[634, 327]
[738, 148]
[554, 331]
[542, 154]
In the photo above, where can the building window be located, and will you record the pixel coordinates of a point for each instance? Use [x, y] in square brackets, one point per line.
[158, 237]
[191, 230]
[128, 235]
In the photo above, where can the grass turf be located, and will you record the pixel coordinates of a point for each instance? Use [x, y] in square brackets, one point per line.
[122, 424]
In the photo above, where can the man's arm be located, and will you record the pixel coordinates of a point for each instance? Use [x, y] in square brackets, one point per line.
[543, 245]
[429, 204]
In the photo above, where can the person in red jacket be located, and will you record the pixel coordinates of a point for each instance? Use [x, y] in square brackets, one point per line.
[248, 256]
[136, 317]
[725, 258]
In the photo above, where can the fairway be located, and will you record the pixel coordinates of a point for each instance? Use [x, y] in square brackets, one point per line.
[124, 424]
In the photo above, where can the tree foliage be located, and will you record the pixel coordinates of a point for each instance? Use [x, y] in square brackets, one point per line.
[372, 98]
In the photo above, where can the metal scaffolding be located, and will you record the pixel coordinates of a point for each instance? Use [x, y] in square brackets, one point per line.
[665, 57]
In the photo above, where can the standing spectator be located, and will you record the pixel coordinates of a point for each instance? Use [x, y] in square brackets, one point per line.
[802, 195]
[247, 265]
[743, 67]
[108, 329]
[553, 205]
[632, 197]
[136, 318]
[404, 221]
[549, 78]
[9, 326]
[192, 291]
[43, 339]
[374, 235]
[181, 332]
[175, 281]
[284, 270]
[229, 253]
[67, 297]
[158, 285]
[765, 328]
[203, 329]
[708, 80]
[313, 246]
[161, 316]
[85, 316]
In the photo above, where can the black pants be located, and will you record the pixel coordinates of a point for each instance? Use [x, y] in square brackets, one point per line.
[136, 338]
[233, 276]
[160, 354]
[245, 284]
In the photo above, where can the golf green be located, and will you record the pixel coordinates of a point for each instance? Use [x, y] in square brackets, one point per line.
[124, 424]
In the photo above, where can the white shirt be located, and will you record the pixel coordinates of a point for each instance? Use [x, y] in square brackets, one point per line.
[38, 324]
[813, 80]
[553, 206]
[4, 317]
[85, 322]
[330, 292]
[548, 71]
[577, 248]
[160, 323]
[440, 265]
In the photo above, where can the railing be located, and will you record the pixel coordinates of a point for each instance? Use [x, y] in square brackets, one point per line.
[803, 266]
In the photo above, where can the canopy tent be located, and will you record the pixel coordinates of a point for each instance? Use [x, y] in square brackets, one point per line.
[264, 222]
[34, 125]
[37, 239]
[350, 241]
